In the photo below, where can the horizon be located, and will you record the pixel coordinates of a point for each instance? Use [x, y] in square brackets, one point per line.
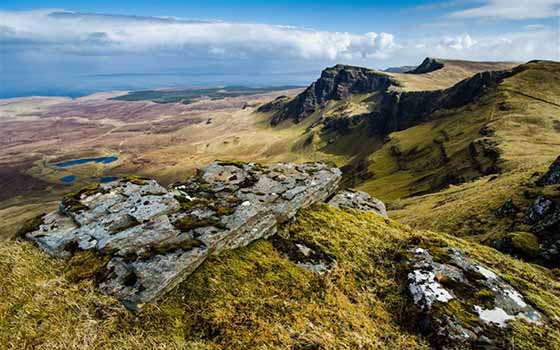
[58, 48]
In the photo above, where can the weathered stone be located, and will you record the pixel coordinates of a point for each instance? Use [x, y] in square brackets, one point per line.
[358, 200]
[540, 208]
[156, 237]
[508, 209]
[464, 304]
[305, 255]
[552, 176]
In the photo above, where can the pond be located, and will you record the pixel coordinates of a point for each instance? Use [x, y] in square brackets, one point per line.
[102, 160]
[68, 179]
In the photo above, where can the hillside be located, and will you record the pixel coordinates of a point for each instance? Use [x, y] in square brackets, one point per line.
[419, 151]
[255, 297]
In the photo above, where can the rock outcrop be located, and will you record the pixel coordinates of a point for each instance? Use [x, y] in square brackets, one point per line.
[463, 304]
[335, 83]
[153, 237]
[552, 176]
[428, 65]
[358, 200]
[535, 227]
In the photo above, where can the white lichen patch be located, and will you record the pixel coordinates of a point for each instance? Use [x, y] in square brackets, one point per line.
[516, 297]
[485, 272]
[426, 290]
[495, 316]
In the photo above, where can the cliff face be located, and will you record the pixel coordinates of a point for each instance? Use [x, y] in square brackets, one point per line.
[335, 83]
[395, 109]
[400, 110]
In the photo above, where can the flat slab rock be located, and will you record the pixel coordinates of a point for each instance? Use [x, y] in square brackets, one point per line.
[358, 200]
[464, 304]
[156, 237]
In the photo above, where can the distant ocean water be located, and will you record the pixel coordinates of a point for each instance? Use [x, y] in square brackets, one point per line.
[82, 85]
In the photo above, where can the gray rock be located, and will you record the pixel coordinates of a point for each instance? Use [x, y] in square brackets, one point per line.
[537, 211]
[358, 200]
[462, 302]
[552, 176]
[508, 209]
[156, 237]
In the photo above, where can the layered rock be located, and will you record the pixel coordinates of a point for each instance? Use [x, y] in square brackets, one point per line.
[155, 237]
[464, 305]
[335, 83]
[358, 200]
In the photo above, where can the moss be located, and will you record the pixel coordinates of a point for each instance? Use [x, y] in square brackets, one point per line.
[72, 201]
[484, 298]
[30, 225]
[223, 210]
[188, 205]
[524, 242]
[439, 254]
[85, 265]
[236, 163]
[456, 308]
[190, 222]
[164, 248]
[136, 180]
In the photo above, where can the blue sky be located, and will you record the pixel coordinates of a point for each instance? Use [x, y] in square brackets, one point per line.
[81, 46]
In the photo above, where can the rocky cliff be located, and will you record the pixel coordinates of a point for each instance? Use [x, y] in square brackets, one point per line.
[335, 83]
[392, 109]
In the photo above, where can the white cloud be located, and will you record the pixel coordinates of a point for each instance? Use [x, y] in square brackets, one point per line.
[459, 42]
[513, 9]
[91, 34]
[520, 46]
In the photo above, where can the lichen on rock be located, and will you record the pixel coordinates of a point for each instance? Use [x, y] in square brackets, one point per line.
[463, 303]
[152, 238]
[358, 200]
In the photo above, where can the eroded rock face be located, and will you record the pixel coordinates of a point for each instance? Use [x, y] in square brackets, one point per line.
[335, 83]
[463, 303]
[156, 237]
[358, 200]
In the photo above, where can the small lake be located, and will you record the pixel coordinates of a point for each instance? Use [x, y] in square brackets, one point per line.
[68, 179]
[102, 160]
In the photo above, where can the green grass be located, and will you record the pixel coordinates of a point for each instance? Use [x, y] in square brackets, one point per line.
[254, 298]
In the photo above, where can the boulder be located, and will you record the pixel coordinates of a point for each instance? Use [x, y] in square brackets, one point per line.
[463, 304]
[539, 210]
[358, 200]
[552, 176]
[508, 209]
[155, 237]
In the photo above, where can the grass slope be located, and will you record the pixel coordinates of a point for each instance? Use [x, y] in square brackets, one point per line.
[254, 298]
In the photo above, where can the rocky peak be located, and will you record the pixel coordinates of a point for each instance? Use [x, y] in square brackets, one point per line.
[335, 83]
[428, 65]
[152, 238]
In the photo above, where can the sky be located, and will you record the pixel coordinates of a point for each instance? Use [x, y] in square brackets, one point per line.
[78, 47]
